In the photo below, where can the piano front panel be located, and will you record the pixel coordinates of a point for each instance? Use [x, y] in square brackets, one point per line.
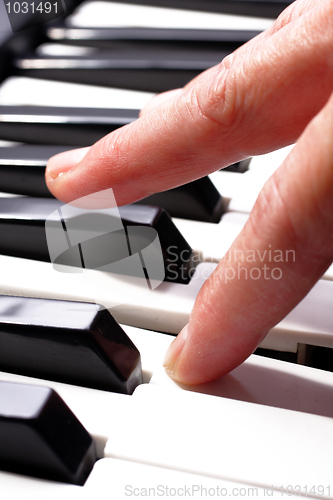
[263, 430]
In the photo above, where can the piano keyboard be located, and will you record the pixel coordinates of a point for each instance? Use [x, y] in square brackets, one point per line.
[263, 430]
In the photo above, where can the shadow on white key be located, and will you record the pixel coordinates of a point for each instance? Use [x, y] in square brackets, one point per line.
[267, 382]
[227, 439]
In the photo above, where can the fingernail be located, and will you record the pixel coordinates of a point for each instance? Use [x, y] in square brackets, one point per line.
[175, 350]
[63, 162]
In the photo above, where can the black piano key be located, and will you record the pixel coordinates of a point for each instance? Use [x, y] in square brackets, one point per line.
[71, 342]
[137, 69]
[197, 200]
[22, 171]
[22, 33]
[257, 8]
[239, 167]
[40, 436]
[57, 125]
[161, 38]
[22, 229]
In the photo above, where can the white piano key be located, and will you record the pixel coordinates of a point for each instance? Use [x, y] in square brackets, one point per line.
[9, 144]
[113, 14]
[268, 382]
[252, 181]
[241, 190]
[248, 190]
[35, 92]
[165, 309]
[152, 347]
[15, 486]
[227, 183]
[140, 480]
[270, 160]
[311, 321]
[218, 437]
[57, 49]
[212, 240]
[168, 307]
[91, 405]
[119, 479]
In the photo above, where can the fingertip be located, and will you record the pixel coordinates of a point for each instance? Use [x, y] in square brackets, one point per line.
[173, 353]
[63, 162]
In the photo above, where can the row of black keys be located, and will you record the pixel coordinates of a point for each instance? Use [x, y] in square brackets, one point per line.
[22, 171]
[147, 59]
[39, 435]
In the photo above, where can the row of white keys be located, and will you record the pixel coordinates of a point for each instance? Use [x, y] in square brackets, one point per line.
[129, 299]
[228, 439]
[103, 14]
[268, 423]
[35, 92]
[212, 241]
[166, 308]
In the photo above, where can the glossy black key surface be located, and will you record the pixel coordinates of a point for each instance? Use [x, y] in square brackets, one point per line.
[199, 40]
[12, 44]
[22, 229]
[72, 342]
[138, 69]
[239, 167]
[22, 171]
[40, 436]
[57, 125]
[197, 200]
[22, 33]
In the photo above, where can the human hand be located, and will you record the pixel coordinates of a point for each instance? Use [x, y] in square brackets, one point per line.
[258, 99]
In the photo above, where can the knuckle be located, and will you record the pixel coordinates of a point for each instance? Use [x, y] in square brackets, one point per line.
[218, 97]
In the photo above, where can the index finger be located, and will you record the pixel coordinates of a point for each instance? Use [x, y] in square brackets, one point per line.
[258, 99]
